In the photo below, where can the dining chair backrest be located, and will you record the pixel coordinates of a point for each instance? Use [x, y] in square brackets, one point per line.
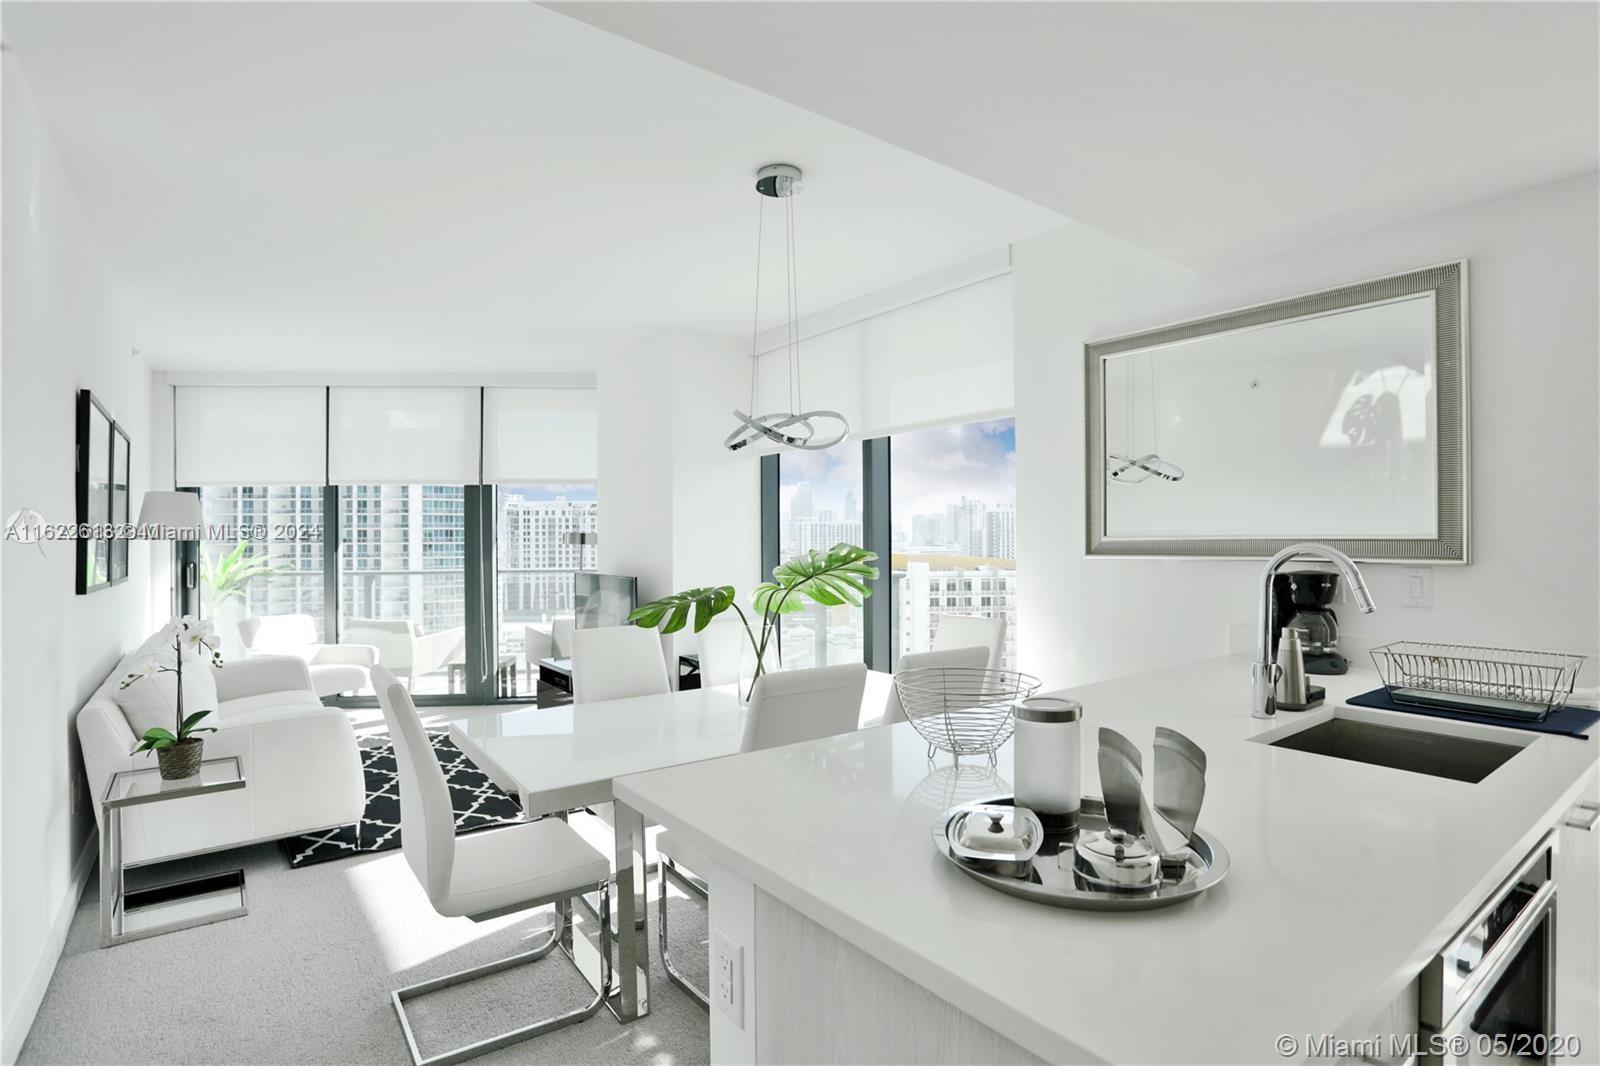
[965, 630]
[973, 657]
[616, 663]
[798, 705]
[427, 821]
[718, 646]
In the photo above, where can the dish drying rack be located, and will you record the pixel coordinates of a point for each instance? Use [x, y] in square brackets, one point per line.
[1507, 682]
[962, 710]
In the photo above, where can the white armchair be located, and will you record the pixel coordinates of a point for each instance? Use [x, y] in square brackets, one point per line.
[404, 649]
[547, 640]
[335, 668]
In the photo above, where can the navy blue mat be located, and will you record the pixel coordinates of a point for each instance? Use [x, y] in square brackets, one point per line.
[1567, 722]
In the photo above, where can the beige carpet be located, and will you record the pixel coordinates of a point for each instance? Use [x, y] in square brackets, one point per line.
[305, 977]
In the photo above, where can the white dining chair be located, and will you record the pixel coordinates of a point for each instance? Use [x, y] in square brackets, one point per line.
[487, 874]
[965, 630]
[975, 657]
[719, 647]
[617, 662]
[788, 707]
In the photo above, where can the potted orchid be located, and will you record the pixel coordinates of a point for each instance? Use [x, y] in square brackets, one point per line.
[178, 750]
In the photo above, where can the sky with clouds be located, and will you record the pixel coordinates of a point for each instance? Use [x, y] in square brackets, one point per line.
[930, 468]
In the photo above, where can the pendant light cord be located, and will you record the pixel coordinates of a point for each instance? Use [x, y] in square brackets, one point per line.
[755, 325]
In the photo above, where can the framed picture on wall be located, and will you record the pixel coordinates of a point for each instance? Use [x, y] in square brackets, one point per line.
[93, 492]
[121, 506]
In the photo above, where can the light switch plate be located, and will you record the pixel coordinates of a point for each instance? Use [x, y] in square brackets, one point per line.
[1417, 587]
[727, 976]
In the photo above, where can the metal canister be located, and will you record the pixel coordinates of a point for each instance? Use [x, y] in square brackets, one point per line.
[1048, 747]
[1292, 685]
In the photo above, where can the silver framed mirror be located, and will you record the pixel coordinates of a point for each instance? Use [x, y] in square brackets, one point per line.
[1338, 416]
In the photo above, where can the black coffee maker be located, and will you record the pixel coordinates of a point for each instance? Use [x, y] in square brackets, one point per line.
[1302, 598]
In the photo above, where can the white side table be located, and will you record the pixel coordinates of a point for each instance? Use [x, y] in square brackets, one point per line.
[126, 916]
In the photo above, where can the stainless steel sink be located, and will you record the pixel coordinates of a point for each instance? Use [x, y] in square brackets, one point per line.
[1418, 751]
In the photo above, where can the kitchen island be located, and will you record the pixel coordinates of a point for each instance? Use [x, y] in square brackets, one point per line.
[851, 940]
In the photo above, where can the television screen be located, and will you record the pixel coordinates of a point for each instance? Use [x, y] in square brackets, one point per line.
[603, 599]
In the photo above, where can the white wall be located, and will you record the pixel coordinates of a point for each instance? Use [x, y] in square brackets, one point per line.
[1534, 580]
[63, 331]
[677, 510]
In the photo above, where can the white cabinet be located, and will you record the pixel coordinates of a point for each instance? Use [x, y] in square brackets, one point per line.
[1578, 924]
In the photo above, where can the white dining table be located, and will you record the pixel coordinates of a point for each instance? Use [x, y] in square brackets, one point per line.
[558, 759]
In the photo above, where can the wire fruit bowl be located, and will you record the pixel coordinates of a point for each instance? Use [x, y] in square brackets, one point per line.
[1528, 685]
[963, 710]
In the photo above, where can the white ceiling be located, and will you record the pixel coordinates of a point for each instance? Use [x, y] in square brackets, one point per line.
[406, 186]
[1205, 132]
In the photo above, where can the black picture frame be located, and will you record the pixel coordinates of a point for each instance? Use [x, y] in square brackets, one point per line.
[93, 494]
[121, 500]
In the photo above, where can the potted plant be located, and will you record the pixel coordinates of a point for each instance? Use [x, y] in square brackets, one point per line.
[835, 578]
[178, 750]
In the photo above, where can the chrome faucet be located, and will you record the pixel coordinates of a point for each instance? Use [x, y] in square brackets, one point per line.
[1264, 672]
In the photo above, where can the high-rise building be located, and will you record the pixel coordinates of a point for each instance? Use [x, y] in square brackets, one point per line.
[927, 531]
[964, 526]
[536, 562]
[926, 593]
[1000, 532]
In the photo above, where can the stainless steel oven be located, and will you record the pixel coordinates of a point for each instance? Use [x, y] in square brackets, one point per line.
[1489, 996]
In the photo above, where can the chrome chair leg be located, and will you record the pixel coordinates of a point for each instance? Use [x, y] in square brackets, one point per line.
[557, 935]
[669, 869]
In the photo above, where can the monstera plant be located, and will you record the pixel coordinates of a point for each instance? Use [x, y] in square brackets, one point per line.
[837, 577]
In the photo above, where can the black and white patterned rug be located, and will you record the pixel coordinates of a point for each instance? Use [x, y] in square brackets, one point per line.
[479, 803]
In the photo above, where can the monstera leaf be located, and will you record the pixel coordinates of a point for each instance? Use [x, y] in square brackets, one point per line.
[835, 578]
[671, 613]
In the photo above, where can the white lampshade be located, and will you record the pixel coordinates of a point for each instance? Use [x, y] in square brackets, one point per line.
[172, 510]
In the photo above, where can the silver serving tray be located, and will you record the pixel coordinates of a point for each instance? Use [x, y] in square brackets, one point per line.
[1051, 879]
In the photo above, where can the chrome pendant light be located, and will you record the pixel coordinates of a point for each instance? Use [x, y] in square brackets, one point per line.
[794, 427]
[1129, 468]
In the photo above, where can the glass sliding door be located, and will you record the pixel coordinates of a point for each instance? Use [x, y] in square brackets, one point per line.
[819, 505]
[534, 566]
[402, 578]
[261, 557]
[953, 514]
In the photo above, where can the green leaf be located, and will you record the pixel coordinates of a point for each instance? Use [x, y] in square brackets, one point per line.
[189, 723]
[672, 613]
[157, 733]
[836, 578]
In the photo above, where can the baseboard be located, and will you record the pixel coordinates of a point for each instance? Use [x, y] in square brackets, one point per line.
[21, 1021]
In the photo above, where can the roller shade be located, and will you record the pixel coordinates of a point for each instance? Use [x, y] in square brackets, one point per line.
[249, 435]
[944, 359]
[403, 435]
[539, 435]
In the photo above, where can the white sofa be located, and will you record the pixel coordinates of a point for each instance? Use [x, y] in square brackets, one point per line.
[404, 649]
[335, 668]
[299, 758]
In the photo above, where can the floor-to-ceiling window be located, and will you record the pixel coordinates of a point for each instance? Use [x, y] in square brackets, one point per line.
[402, 580]
[820, 505]
[948, 498]
[954, 529]
[535, 559]
[261, 556]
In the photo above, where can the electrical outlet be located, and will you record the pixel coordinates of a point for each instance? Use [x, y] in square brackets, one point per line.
[1417, 587]
[727, 976]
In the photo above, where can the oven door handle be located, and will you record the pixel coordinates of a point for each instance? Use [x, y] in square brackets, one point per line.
[1511, 941]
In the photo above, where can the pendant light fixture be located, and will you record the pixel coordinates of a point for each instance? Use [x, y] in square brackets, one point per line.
[793, 427]
[1125, 467]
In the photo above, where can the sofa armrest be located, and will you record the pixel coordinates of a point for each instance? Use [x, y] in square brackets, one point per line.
[346, 654]
[260, 674]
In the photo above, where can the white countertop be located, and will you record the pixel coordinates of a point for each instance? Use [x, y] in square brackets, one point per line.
[1345, 877]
